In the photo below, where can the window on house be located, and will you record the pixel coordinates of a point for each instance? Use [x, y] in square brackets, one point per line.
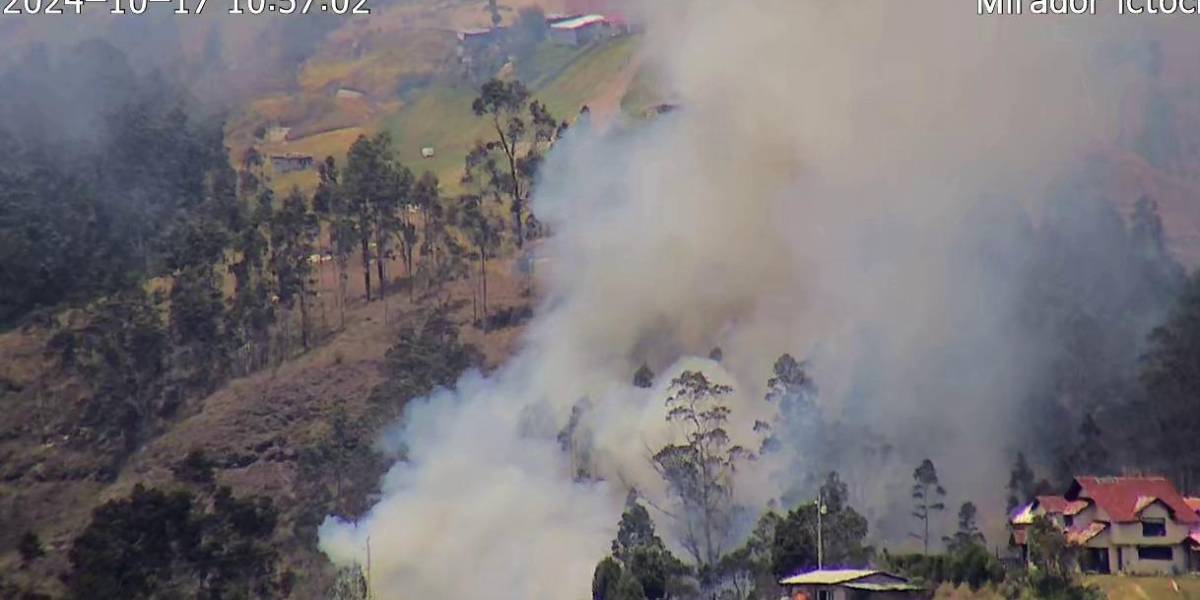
[1155, 553]
[1068, 520]
[824, 594]
[1154, 528]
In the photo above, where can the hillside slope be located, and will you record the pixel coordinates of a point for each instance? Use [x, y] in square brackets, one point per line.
[267, 434]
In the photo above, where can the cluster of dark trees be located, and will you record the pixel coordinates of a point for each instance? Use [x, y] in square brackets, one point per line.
[782, 543]
[191, 539]
[178, 543]
[158, 201]
[161, 269]
[377, 209]
[162, 278]
[1101, 294]
[1136, 411]
[144, 350]
[93, 192]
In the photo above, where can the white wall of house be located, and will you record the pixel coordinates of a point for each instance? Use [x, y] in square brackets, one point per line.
[1085, 517]
[1124, 539]
[1133, 565]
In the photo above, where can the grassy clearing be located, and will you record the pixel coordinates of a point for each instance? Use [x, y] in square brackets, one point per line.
[586, 75]
[548, 62]
[1120, 587]
[1115, 587]
[439, 117]
[377, 62]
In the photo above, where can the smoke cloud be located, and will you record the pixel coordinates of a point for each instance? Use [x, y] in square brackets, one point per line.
[846, 181]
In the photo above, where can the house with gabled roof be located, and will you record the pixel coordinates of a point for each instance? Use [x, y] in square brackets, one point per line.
[1137, 525]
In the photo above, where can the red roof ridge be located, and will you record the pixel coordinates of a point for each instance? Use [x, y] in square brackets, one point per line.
[1193, 502]
[1123, 498]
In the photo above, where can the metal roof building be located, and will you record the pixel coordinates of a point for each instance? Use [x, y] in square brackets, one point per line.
[849, 584]
[580, 30]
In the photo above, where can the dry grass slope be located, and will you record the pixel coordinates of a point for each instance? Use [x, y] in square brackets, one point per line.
[256, 429]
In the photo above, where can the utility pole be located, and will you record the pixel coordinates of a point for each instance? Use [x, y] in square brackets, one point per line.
[820, 547]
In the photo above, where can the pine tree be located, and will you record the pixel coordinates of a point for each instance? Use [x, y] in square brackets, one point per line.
[365, 186]
[792, 390]
[378, 190]
[294, 232]
[198, 304]
[1020, 482]
[329, 203]
[251, 312]
[968, 529]
[928, 494]
[442, 256]
[1171, 377]
[484, 236]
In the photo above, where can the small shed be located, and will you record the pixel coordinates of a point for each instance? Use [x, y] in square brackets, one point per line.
[850, 584]
[473, 40]
[580, 30]
[287, 163]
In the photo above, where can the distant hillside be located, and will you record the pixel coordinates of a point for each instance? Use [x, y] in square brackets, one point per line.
[401, 72]
[565, 79]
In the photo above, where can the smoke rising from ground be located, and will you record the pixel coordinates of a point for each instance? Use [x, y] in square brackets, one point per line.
[847, 182]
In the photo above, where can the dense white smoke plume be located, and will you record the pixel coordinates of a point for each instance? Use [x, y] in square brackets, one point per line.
[835, 186]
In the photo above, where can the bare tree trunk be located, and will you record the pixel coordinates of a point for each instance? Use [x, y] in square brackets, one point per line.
[925, 539]
[341, 304]
[341, 287]
[483, 289]
[366, 265]
[304, 317]
[381, 256]
[324, 320]
[285, 337]
[518, 229]
[320, 292]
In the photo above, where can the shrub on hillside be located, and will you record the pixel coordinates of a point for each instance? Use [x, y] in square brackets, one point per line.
[155, 544]
[970, 565]
[424, 358]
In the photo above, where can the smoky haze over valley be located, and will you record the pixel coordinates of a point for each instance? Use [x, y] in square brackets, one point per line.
[964, 229]
[902, 195]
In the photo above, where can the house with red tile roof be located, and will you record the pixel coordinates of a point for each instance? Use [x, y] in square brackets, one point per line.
[1137, 525]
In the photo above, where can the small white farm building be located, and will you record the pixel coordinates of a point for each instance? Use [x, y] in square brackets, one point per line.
[580, 30]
